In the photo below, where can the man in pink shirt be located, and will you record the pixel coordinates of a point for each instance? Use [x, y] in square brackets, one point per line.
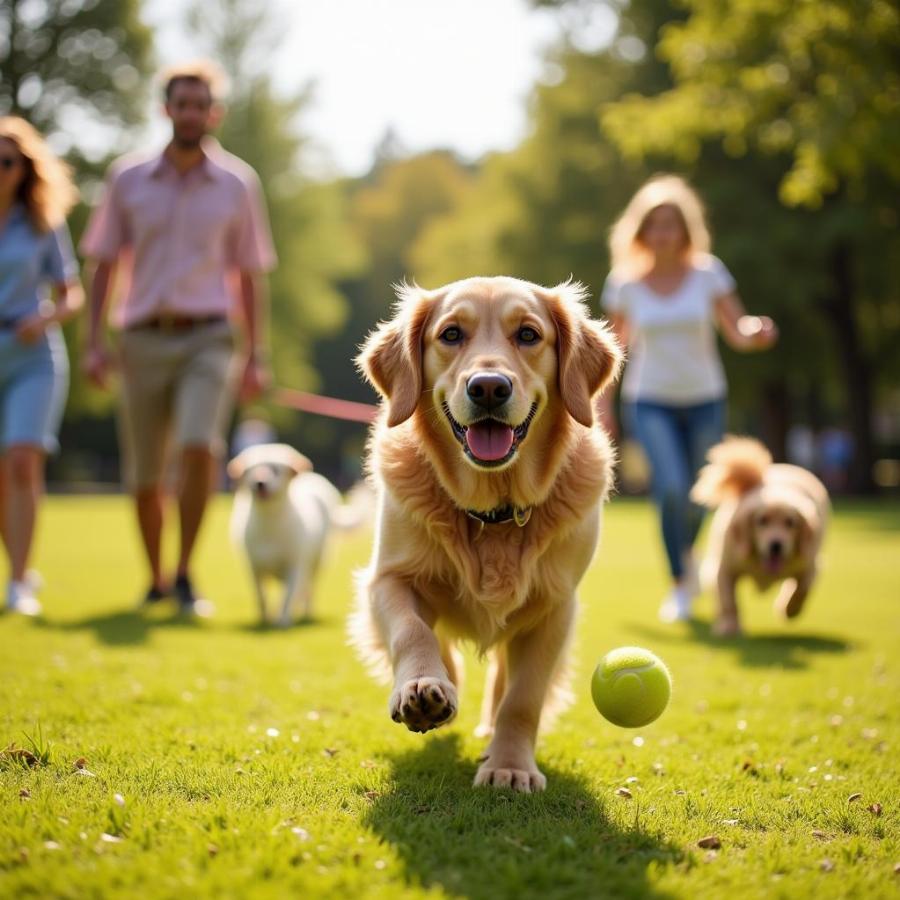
[176, 234]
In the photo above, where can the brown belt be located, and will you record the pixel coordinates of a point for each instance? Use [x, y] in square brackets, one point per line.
[177, 323]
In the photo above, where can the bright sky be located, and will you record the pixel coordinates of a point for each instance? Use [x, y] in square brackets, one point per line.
[447, 73]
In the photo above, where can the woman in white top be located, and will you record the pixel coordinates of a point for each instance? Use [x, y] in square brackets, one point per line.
[665, 296]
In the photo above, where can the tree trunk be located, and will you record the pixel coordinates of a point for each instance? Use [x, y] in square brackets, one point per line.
[857, 371]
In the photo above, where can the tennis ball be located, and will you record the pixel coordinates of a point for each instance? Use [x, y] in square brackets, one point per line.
[631, 687]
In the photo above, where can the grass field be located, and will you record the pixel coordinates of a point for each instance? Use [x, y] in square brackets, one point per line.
[264, 764]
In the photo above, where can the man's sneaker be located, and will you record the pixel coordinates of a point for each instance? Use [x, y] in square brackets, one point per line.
[20, 598]
[188, 601]
[153, 596]
[676, 607]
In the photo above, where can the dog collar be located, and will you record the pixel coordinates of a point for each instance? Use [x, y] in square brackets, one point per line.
[502, 514]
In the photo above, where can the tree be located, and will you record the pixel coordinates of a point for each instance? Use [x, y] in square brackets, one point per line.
[70, 63]
[817, 80]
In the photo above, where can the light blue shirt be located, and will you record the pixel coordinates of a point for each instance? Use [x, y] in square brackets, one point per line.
[30, 262]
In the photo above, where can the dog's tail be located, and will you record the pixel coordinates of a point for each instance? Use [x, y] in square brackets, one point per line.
[735, 466]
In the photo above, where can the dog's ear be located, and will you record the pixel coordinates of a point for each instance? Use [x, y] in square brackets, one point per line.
[391, 358]
[740, 531]
[589, 354]
[296, 461]
[237, 466]
[809, 528]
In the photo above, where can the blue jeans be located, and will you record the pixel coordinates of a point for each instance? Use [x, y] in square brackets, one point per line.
[676, 440]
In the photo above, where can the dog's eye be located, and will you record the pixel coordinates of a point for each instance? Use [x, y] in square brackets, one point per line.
[789, 523]
[763, 520]
[451, 335]
[527, 335]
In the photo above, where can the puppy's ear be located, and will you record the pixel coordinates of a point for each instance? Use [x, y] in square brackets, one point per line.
[237, 466]
[740, 531]
[391, 358]
[809, 528]
[589, 354]
[297, 462]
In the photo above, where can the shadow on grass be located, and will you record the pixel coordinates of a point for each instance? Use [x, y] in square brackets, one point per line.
[785, 650]
[123, 627]
[258, 627]
[483, 843]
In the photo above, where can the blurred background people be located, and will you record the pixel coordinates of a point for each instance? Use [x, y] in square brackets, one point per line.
[39, 289]
[666, 296]
[182, 227]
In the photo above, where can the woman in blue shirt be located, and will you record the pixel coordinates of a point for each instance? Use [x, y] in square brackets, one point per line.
[39, 289]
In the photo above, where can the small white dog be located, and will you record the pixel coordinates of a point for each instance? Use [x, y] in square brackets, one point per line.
[281, 517]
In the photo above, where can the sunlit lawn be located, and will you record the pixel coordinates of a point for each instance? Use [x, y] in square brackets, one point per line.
[264, 764]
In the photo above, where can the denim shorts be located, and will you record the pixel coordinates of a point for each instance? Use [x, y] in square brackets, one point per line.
[34, 385]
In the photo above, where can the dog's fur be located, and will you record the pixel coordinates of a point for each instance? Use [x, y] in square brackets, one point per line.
[769, 523]
[281, 518]
[438, 575]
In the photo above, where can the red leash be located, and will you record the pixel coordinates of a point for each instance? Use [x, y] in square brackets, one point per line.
[349, 410]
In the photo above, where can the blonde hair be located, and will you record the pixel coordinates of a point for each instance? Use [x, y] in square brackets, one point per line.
[47, 190]
[630, 257]
[204, 71]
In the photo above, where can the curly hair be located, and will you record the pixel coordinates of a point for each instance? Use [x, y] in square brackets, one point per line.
[630, 257]
[47, 190]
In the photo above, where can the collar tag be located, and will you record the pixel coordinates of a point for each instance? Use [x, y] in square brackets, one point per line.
[501, 515]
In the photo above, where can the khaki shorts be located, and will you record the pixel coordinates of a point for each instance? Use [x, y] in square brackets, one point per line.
[177, 386]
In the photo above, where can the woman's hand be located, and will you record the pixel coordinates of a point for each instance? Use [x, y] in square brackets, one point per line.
[96, 365]
[743, 332]
[30, 329]
[760, 331]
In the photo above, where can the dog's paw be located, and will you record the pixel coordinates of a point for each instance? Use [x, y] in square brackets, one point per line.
[424, 703]
[523, 777]
[790, 599]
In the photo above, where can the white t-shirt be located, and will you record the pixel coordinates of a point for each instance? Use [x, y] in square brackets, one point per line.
[673, 357]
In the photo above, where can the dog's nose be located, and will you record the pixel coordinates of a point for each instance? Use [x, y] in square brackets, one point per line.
[489, 389]
[775, 548]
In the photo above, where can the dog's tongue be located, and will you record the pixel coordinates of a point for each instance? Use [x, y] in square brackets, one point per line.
[489, 440]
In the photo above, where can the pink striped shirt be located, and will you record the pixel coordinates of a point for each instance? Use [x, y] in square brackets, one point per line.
[179, 237]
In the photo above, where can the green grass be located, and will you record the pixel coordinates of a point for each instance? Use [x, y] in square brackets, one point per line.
[765, 740]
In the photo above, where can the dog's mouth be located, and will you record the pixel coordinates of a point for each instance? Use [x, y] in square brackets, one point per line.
[490, 442]
[774, 560]
[261, 489]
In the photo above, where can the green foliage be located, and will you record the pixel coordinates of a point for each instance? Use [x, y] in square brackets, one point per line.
[815, 79]
[764, 741]
[67, 62]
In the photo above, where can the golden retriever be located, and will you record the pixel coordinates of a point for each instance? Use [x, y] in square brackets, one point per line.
[490, 475]
[769, 523]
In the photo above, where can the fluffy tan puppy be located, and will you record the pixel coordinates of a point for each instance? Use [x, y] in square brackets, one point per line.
[769, 523]
[490, 475]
